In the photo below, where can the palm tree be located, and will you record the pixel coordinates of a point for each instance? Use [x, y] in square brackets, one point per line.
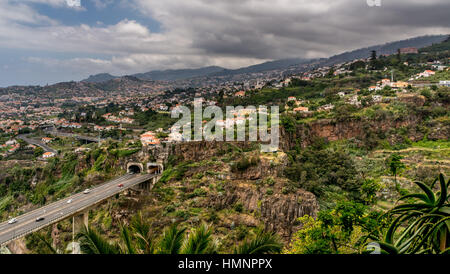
[200, 241]
[423, 225]
[128, 245]
[263, 243]
[142, 234]
[91, 242]
[172, 240]
[48, 245]
[175, 240]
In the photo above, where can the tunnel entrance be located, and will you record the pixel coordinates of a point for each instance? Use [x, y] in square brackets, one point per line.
[154, 168]
[134, 169]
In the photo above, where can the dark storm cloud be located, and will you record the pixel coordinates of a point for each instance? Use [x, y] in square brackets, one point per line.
[279, 29]
[196, 33]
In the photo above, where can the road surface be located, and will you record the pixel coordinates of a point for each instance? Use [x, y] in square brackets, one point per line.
[62, 209]
[73, 135]
[37, 143]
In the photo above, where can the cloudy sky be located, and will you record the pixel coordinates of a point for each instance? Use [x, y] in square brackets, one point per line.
[47, 41]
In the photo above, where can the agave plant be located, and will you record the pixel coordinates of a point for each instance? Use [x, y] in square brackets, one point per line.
[421, 226]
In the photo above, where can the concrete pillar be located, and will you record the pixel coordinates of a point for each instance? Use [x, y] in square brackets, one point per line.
[79, 221]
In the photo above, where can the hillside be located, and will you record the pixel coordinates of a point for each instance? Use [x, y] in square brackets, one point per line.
[99, 78]
[386, 49]
[214, 71]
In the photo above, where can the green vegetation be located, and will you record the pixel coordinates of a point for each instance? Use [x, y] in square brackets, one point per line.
[421, 226]
[138, 239]
[351, 166]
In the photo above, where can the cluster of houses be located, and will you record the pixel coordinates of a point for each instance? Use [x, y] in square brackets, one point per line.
[387, 82]
[126, 112]
[296, 105]
[11, 146]
[11, 125]
[425, 74]
[112, 118]
[104, 128]
[46, 140]
[149, 138]
[66, 124]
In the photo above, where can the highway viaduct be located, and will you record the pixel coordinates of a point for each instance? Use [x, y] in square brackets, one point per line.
[77, 206]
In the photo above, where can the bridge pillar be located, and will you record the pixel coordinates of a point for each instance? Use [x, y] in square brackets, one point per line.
[145, 185]
[79, 221]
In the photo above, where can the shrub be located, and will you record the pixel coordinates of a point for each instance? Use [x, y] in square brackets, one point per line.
[238, 207]
[269, 181]
[244, 163]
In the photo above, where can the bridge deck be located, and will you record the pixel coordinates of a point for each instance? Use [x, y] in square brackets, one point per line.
[62, 209]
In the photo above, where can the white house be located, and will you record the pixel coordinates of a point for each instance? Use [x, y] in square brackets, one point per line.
[48, 155]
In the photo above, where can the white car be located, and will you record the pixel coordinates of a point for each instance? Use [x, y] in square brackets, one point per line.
[12, 221]
[86, 191]
[69, 201]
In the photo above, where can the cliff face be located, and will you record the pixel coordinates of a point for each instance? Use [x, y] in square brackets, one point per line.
[332, 130]
[266, 204]
[277, 212]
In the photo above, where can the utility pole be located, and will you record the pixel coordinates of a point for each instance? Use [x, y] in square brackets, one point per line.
[392, 75]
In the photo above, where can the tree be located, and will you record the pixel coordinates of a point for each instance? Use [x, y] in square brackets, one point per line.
[373, 55]
[137, 239]
[38, 151]
[263, 243]
[341, 230]
[395, 166]
[358, 65]
[92, 242]
[172, 240]
[200, 241]
[369, 190]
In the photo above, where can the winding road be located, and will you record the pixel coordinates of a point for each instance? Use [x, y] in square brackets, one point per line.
[37, 143]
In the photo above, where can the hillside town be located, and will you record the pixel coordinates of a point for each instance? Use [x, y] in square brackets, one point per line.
[27, 109]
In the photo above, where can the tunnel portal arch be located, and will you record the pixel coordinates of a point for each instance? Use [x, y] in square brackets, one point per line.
[155, 168]
[135, 168]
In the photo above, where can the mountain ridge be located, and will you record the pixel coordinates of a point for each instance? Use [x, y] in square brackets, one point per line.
[216, 71]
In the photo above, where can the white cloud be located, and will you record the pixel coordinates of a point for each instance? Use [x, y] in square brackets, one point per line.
[229, 33]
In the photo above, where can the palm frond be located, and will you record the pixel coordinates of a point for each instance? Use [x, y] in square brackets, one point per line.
[126, 238]
[172, 240]
[263, 243]
[91, 242]
[199, 241]
[48, 245]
